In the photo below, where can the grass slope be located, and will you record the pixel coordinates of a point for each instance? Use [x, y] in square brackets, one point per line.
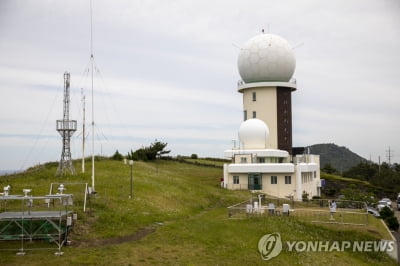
[178, 217]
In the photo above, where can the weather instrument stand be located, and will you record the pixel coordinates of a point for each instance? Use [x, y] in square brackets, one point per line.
[66, 128]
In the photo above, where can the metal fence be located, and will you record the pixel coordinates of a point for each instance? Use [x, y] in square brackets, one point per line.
[315, 211]
[343, 216]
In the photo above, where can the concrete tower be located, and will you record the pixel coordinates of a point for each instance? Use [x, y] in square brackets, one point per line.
[266, 64]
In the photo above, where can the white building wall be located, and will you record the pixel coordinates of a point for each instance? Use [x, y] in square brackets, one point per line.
[280, 189]
[265, 107]
[308, 164]
[261, 168]
[243, 182]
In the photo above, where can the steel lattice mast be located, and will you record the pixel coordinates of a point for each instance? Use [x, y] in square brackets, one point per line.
[66, 128]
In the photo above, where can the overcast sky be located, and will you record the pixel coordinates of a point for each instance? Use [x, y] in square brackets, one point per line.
[167, 70]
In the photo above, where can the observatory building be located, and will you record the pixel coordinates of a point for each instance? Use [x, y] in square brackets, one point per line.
[265, 159]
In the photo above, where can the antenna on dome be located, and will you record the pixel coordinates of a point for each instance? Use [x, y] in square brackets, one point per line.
[298, 45]
[236, 46]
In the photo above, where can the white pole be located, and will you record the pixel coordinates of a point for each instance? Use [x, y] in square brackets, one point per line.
[92, 59]
[83, 134]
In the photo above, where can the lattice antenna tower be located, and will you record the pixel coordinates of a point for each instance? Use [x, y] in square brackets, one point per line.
[389, 155]
[66, 128]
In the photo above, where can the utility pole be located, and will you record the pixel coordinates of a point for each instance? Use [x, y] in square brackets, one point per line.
[379, 165]
[389, 155]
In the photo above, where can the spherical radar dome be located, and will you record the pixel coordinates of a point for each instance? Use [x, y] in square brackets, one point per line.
[253, 133]
[266, 57]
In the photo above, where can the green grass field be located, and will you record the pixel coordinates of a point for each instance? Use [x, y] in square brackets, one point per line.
[178, 216]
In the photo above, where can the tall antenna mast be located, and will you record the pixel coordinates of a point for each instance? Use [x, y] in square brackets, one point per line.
[83, 131]
[389, 155]
[66, 128]
[91, 60]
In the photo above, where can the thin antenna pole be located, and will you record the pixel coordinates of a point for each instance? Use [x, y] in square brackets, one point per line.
[91, 60]
[83, 131]
[91, 29]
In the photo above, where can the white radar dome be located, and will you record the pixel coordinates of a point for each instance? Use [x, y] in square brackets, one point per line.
[253, 134]
[266, 57]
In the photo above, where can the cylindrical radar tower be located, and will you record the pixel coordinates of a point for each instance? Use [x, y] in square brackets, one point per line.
[266, 64]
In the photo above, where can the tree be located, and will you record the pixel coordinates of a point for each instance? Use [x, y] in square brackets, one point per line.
[328, 169]
[150, 153]
[363, 171]
[386, 212]
[117, 156]
[388, 216]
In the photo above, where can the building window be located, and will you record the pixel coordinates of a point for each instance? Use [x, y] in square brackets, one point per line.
[288, 179]
[261, 160]
[274, 179]
[254, 96]
[315, 174]
[235, 179]
[244, 115]
[243, 159]
[254, 114]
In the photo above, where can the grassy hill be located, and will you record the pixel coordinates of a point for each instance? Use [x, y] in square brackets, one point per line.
[178, 216]
[341, 158]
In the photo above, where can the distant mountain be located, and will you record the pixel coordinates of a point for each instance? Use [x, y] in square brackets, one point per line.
[340, 158]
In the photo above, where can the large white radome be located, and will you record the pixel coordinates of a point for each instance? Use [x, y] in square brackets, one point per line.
[253, 134]
[266, 57]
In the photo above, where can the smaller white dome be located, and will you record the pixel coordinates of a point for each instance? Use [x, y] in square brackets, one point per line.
[253, 134]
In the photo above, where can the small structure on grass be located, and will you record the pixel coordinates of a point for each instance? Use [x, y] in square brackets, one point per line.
[25, 219]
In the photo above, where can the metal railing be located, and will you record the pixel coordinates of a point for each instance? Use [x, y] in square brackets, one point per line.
[347, 212]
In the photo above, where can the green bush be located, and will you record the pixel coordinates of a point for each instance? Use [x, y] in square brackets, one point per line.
[304, 196]
[117, 156]
[150, 153]
[386, 212]
[388, 216]
[392, 223]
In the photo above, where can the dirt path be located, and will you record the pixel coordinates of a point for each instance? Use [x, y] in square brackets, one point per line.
[116, 240]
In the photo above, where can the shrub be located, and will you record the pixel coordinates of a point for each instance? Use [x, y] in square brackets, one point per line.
[150, 153]
[386, 212]
[392, 223]
[117, 156]
[304, 196]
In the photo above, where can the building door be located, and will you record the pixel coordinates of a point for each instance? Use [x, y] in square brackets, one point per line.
[255, 181]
